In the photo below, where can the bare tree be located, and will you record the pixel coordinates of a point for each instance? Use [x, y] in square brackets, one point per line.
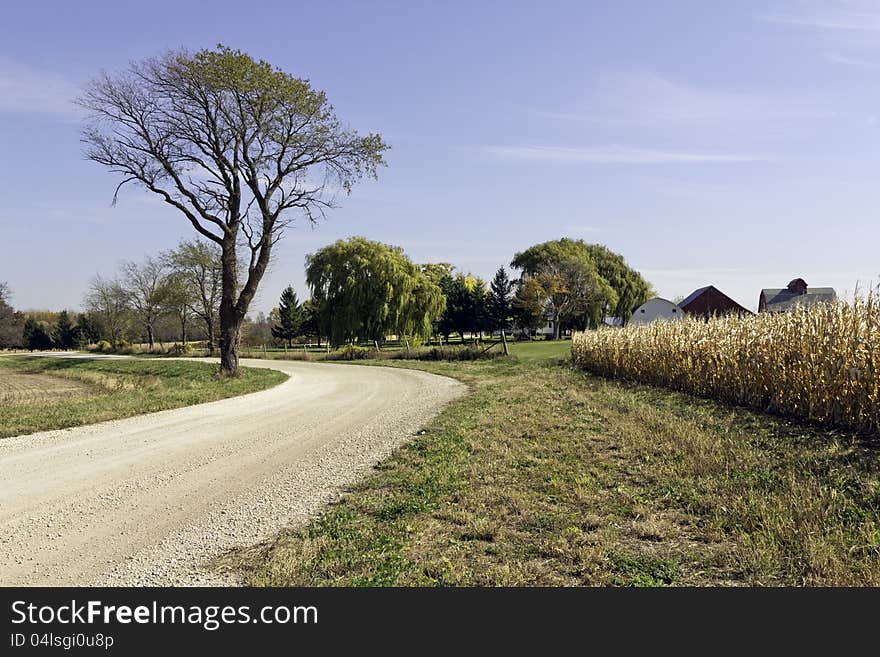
[11, 322]
[197, 263]
[235, 145]
[178, 298]
[144, 285]
[108, 300]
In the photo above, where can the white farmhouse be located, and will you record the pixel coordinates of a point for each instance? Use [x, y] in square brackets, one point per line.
[654, 309]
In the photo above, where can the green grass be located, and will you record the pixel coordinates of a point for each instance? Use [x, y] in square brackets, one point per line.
[544, 475]
[112, 389]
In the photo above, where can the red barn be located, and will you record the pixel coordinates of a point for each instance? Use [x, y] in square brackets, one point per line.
[709, 301]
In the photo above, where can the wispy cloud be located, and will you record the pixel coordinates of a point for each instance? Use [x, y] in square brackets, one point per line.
[24, 89]
[614, 155]
[646, 98]
[831, 15]
[839, 58]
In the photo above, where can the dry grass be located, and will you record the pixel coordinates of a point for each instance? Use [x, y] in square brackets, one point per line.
[110, 389]
[818, 364]
[24, 388]
[545, 475]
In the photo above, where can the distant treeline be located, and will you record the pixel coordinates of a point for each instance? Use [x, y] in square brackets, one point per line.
[360, 290]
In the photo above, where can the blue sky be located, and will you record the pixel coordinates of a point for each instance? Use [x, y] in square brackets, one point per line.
[732, 143]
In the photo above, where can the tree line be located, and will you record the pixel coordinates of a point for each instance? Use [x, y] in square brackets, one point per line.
[170, 296]
[362, 290]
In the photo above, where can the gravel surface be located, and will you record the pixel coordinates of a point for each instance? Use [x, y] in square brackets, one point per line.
[150, 500]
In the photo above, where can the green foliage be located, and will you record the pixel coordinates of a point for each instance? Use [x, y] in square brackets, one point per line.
[179, 349]
[499, 308]
[631, 289]
[36, 335]
[528, 308]
[311, 320]
[352, 352]
[103, 345]
[465, 310]
[437, 271]
[580, 283]
[290, 317]
[66, 333]
[366, 290]
[88, 330]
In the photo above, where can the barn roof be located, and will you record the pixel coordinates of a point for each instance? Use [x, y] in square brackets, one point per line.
[700, 291]
[693, 295]
[784, 298]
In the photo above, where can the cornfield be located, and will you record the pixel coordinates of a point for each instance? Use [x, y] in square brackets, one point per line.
[816, 363]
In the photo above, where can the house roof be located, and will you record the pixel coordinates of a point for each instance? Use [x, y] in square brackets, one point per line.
[783, 298]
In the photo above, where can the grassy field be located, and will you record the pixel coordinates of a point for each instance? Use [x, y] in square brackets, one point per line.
[545, 475]
[55, 393]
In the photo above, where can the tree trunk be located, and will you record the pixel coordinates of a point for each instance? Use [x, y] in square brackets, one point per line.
[230, 328]
[211, 340]
[230, 321]
[150, 336]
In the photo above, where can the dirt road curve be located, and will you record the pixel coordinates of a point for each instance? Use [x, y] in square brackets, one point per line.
[150, 499]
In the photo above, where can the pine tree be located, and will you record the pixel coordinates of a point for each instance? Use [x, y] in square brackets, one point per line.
[36, 335]
[289, 316]
[88, 331]
[66, 334]
[498, 305]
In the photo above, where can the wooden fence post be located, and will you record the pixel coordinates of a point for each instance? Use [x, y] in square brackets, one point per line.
[504, 343]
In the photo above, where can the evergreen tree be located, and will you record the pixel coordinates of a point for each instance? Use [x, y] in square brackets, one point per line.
[66, 333]
[88, 331]
[465, 310]
[499, 309]
[290, 317]
[36, 335]
[311, 321]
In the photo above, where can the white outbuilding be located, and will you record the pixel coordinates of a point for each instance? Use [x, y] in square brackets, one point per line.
[654, 309]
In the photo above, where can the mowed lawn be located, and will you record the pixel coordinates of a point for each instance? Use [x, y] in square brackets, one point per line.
[545, 475]
[37, 394]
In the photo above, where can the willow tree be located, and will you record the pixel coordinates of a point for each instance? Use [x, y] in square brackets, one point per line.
[631, 288]
[239, 147]
[366, 289]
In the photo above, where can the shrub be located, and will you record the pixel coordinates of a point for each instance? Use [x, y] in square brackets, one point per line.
[103, 345]
[816, 363]
[351, 352]
[179, 349]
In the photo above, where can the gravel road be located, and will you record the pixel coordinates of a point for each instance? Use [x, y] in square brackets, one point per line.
[150, 500]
